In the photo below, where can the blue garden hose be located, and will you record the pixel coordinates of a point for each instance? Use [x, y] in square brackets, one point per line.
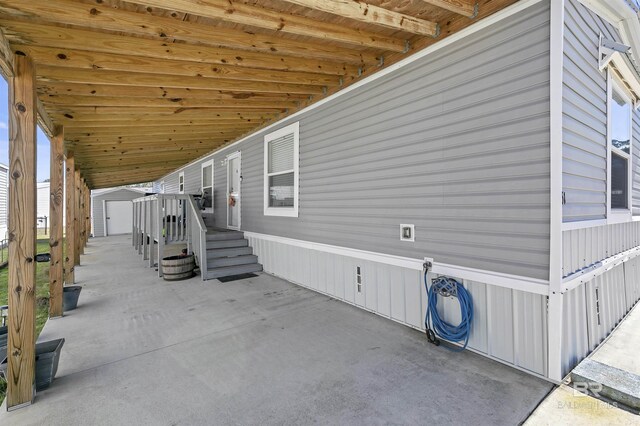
[436, 326]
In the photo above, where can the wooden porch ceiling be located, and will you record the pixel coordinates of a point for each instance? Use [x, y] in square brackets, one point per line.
[144, 86]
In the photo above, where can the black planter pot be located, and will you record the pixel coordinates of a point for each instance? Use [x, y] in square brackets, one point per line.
[70, 297]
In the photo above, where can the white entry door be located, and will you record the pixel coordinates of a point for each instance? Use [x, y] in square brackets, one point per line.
[118, 217]
[233, 190]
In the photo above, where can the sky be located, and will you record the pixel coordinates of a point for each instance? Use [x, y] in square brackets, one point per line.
[43, 141]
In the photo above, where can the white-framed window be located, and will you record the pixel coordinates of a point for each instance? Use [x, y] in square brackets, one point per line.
[206, 181]
[619, 140]
[181, 183]
[281, 180]
[162, 187]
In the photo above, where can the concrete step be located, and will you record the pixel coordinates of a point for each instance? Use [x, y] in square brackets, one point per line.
[225, 235]
[228, 252]
[225, 271]
[230, 261]
[227, 243]
[610, 382]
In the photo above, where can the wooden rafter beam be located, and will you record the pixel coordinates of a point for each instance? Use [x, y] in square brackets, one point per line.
[90, 156]
[466, 8]
[28, 33]
[159, 141]
[44, 121]
[6, 57]
[244, 14]
[178, 114]
[152, 129]
[98, 90]
[73, 58]
[216, 101]
[160, 124]
[371, 14]
[149, 163]
[48, 74]
[105, 17]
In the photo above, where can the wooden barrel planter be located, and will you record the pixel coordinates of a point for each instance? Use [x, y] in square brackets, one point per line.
[178, 267]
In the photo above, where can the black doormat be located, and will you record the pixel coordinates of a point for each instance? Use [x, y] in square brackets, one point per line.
[236, 277]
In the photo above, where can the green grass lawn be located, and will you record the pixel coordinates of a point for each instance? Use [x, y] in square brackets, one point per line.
[42, 295]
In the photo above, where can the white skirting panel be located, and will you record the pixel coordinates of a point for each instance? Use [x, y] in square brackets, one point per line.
[509, 325]
[593, 310]
[586, 246]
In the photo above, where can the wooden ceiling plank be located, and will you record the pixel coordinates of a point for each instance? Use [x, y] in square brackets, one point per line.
[372, 14]
[100, 16]
[122, 78]
[244, 14]
[80, 59]
[468, 8]
[221, 102]
[28, 33]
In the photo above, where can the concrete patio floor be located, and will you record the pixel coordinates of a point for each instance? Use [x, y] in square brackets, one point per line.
[140, 350]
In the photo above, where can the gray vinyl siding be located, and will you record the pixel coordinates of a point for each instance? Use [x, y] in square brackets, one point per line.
[97, 212]
[584, 115]
[456, 143]
[192, 178]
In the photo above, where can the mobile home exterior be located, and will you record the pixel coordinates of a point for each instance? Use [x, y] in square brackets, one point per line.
[489, 153]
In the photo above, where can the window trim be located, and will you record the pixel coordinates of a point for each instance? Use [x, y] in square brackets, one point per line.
[181, 183]
[213, 185]
[283, 211]
[619, 215]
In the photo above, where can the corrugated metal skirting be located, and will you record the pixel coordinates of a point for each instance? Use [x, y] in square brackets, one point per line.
[584, 247]
[592, 310]
[509, 325]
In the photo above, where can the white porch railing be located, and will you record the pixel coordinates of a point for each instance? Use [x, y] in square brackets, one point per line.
[169, 219]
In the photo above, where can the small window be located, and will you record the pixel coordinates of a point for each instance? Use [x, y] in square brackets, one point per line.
[281, 153]
[207, 186]
[181, 182]
[620, 147]
[162, 187]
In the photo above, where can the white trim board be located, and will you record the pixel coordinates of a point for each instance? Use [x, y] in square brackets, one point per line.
[466, 32]
[590, 272]
[99, 192]
[531, 285]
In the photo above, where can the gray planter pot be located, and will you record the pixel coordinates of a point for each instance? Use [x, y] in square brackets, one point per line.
[47, 358]
[70, 295]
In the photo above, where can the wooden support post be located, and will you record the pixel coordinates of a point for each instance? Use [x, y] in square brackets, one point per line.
[22, 234]
[56, 211]
[87, 204]
[81, 216]
[76, 218]
[70, 226]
